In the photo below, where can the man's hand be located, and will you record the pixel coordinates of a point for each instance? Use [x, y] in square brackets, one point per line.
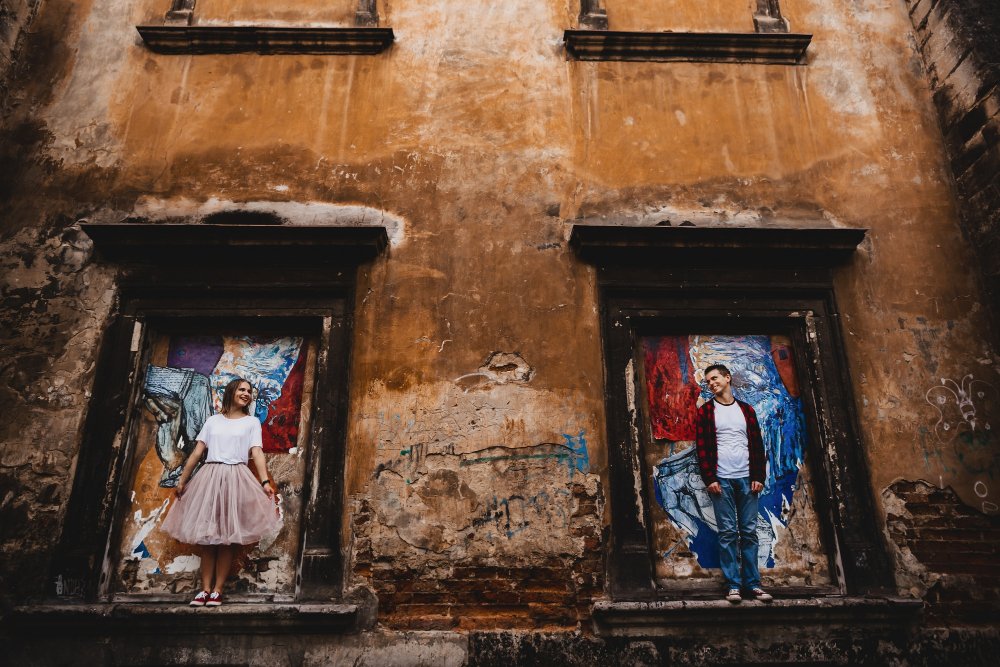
[756, 487]
[715, 488]
[180, 489]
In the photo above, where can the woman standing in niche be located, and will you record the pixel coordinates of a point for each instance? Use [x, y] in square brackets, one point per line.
[225, 506]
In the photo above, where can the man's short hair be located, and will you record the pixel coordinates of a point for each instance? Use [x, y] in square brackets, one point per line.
[718, 367]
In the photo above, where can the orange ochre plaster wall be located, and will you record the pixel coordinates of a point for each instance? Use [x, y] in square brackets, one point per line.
[478, 134]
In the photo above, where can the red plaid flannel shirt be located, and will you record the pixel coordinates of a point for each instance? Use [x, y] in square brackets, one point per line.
[708, 448]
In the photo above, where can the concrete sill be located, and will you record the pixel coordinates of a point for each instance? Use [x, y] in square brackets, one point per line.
[693, 617]
[712, 47]
[265, 40]
[126, 618]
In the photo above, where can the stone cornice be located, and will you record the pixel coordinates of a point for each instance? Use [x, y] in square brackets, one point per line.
[765, 48]
[275, 246]
[759, 246]
[262, 39]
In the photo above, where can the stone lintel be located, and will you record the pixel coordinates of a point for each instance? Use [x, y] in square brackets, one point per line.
[218, 39]
[764, 48]
[738, 246]
[295, 246]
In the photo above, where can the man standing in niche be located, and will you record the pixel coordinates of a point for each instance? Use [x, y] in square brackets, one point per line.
[733, 463]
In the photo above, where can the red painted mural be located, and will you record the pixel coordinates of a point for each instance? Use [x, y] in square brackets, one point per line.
[670, 387]
[281, 428]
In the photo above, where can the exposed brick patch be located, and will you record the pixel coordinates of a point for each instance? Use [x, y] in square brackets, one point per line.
[953, 541]
[554, 593]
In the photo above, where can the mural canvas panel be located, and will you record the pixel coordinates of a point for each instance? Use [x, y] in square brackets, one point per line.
[685, 534]
[183, 386]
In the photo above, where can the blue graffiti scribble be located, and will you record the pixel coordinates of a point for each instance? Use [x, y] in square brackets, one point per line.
[514, 514]
[677, 484]
[579, 459]
[573, 453]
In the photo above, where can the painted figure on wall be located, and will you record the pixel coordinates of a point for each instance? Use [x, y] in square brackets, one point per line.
[184, 385]
[764, 377]
[182, 394]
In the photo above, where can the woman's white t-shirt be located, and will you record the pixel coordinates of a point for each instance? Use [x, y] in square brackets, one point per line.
[230, 440]
[732, 441]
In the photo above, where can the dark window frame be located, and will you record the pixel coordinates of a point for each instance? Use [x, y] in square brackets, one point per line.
[273, 278]
[655, 280]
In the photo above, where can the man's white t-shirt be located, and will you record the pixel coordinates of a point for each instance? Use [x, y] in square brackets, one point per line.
[230, 440]
[731, 438]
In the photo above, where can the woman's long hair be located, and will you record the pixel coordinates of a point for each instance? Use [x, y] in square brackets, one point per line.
[230, 394]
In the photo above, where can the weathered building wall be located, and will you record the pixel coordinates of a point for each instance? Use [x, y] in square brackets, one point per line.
[960, 45]
[476, 456]
[15, 16]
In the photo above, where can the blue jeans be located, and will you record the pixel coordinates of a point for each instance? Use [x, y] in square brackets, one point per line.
[736, 515]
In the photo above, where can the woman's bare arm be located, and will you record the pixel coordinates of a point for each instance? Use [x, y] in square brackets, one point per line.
[260, 463]
[189, 465]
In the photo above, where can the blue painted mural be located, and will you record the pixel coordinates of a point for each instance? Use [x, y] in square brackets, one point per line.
[763, 376]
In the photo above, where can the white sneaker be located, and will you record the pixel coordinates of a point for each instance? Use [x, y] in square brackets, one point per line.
[734, 596]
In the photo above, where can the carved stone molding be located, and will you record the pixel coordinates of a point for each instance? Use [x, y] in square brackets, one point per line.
[191, 39]
[312, 246]
[766, 48]
[692, 246]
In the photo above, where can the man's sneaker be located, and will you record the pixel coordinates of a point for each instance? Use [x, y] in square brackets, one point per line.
[760, 594]
[200, 599]
[214, 600]
[734, 596]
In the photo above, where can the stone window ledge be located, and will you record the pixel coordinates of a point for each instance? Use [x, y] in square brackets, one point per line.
[684, 617]
[262, 39]
[125, 618]
[714, 47]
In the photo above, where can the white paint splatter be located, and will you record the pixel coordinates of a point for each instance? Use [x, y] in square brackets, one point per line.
[189, 563]
[146, 525]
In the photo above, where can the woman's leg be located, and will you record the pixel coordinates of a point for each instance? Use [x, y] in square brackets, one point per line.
[208, 559]
[222, 565]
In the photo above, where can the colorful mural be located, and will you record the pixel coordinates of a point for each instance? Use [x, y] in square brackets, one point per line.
[274, 366]
[763, 376]
[184, 385]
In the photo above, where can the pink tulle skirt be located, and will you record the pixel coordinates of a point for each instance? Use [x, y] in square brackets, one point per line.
[222, 504]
